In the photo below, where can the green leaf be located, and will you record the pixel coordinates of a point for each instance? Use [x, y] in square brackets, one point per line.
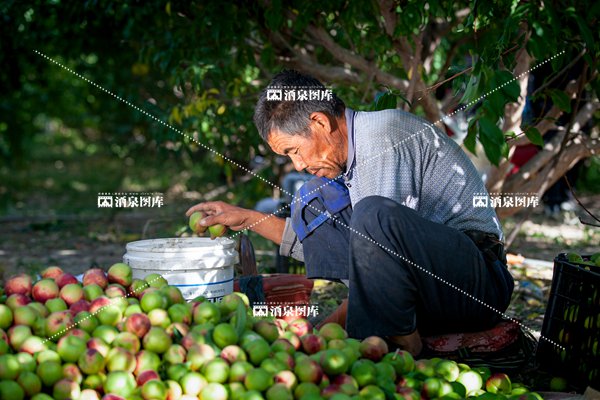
[472, 90]
[494, 105]
[489, 129]
[177, 335]
[504, 150]
[385, 101]
[492, 149]
[560, 99]
[492, 139]
[586, 34]
[240, 319]
[511, 89]
[534, 136]
[470, 140]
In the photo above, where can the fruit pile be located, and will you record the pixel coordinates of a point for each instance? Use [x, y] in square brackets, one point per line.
[113, 337]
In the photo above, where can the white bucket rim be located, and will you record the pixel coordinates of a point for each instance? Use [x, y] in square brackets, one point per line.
[180, 245]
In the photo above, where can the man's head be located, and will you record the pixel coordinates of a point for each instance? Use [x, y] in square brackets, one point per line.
[312, 132]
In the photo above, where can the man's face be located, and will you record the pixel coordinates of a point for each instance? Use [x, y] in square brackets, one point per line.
[323, 153]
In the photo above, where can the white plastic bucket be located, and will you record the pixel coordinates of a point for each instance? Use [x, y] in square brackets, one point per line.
[197, 266]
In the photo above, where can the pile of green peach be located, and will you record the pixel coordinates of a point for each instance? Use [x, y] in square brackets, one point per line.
[113, 337]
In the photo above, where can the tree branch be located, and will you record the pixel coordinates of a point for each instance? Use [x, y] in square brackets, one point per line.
[414, 72]
[550, 173]
[311, 66]
[550, 149]
[404, 50]
[346, 56]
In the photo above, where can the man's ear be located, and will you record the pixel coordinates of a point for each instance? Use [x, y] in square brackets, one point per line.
[321, 122]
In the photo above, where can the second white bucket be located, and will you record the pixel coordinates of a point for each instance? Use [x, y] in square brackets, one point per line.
[197, 266]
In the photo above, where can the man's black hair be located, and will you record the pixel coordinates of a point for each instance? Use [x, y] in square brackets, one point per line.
[293, 116]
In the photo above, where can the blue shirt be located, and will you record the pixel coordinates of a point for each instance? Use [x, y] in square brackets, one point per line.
[395, 154]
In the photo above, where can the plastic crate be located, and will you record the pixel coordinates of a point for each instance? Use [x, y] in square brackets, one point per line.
[572, 320]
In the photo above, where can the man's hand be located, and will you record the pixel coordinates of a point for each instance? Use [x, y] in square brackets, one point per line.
[237, 219]
[218, 212]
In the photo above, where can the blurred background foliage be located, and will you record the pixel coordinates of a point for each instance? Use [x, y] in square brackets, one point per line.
[199, 66]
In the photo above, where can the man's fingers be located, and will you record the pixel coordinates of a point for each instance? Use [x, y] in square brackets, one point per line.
[208, 208]
[213, 220]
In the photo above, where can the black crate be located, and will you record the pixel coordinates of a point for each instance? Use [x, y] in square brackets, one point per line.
[572, 320]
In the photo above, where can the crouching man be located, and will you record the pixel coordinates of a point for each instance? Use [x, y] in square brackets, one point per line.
[391, 213]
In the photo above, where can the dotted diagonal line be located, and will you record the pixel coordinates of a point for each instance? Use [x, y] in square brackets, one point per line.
[453, 286]
[224, 157]
[504, 315]
[389, 149]
[471, 103]
[273, 214]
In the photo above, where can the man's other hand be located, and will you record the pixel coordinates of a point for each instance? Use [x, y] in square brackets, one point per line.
[218, 212]
[238, 218]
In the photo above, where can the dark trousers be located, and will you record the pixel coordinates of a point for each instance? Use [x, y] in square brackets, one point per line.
[405, 272]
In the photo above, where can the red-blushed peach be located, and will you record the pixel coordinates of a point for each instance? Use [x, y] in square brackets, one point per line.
[99, 345]
[175, 354]
[138, 324]
[17, 300]
[99, 303]
[91, 362]
[373, 348]
[71, 293]
[52, 272]
[146, 360]
[300, 327]
[286, 378]
[308, 370]
[146, 376]
[312, 344]
[45, 289]
[18, 284]
[66, 389]
[71, 371]
[95, 276]
[120, 273]
[57, 324]
[115, 290]
[65, 279]
[79, 306]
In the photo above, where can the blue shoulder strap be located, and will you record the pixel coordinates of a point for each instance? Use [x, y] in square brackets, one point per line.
[333, 195]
